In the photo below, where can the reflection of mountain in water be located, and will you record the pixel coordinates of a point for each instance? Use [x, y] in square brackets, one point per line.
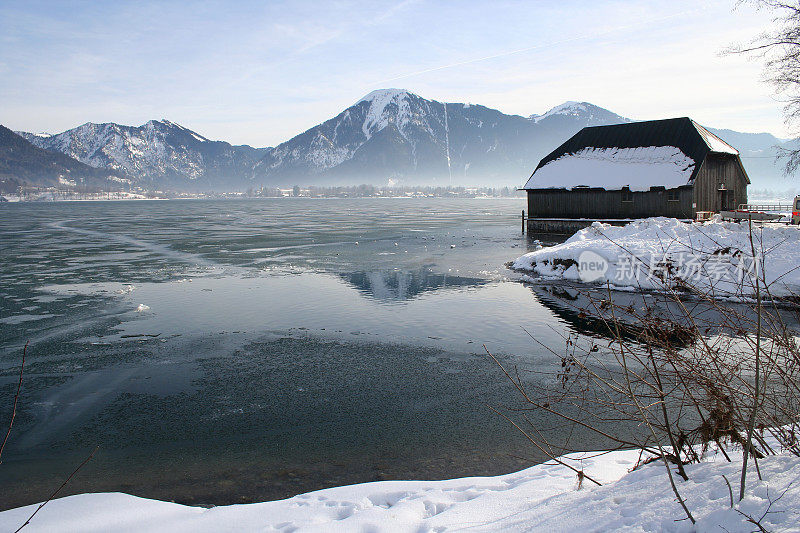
[404, 284]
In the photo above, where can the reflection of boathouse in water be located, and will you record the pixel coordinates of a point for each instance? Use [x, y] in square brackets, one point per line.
[588, 311]
[673, 168]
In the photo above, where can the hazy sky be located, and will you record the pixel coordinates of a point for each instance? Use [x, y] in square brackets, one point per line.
[260, 72]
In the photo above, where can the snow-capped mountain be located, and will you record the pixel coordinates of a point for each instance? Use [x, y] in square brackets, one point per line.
[393, 133]
[21, 163]
[584, 112]
[158, 154]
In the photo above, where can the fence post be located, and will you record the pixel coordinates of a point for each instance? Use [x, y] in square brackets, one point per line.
[523, 222]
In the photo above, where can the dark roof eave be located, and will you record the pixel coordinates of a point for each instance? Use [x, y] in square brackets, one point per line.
[565, 189]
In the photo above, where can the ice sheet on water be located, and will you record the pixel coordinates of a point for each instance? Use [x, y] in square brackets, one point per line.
[19, 319]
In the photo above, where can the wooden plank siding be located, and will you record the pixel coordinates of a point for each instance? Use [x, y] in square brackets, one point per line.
[600, 203]
[717, 170]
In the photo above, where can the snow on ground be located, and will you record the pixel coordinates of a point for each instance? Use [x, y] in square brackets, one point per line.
[713, 257]
[614, 168]
[545, 497]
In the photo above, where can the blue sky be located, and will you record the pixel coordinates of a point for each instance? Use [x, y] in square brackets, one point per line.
[261, 72]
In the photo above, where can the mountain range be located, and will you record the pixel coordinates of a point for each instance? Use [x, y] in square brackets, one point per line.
[157, 155]
[23, 163]
[390, 134]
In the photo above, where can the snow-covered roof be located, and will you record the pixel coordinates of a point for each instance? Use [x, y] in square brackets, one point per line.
[715, 143]
[614, 168]
[638, 155]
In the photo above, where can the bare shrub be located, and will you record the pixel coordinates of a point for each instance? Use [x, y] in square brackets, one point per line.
[691, 370]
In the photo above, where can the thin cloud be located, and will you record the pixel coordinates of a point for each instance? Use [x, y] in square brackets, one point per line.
[540, 46]
[331, 36]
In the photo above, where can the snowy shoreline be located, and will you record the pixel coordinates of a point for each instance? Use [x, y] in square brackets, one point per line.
[545, 497]
[712, 258]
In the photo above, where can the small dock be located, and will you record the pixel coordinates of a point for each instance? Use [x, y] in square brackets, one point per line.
[564, 226]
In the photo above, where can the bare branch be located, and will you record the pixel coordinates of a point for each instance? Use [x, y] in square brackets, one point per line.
[55, 493]
[16, 399]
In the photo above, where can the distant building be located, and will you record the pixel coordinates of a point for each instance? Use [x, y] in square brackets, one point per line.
[671, 168]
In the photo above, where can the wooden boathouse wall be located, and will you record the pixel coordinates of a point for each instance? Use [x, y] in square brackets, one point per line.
[598, 203]
[720, 184]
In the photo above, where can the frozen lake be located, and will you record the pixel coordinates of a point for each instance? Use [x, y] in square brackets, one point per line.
[243, 350]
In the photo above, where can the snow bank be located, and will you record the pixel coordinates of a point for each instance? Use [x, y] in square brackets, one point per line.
[614, 168]
[545, 497]
[657, 253]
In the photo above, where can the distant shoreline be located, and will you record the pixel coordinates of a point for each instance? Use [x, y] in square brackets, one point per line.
[17, 200]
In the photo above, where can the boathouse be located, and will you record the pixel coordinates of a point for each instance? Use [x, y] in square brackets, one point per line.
[673, 168]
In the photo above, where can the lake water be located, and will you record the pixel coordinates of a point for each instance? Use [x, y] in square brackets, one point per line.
[242, 350]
